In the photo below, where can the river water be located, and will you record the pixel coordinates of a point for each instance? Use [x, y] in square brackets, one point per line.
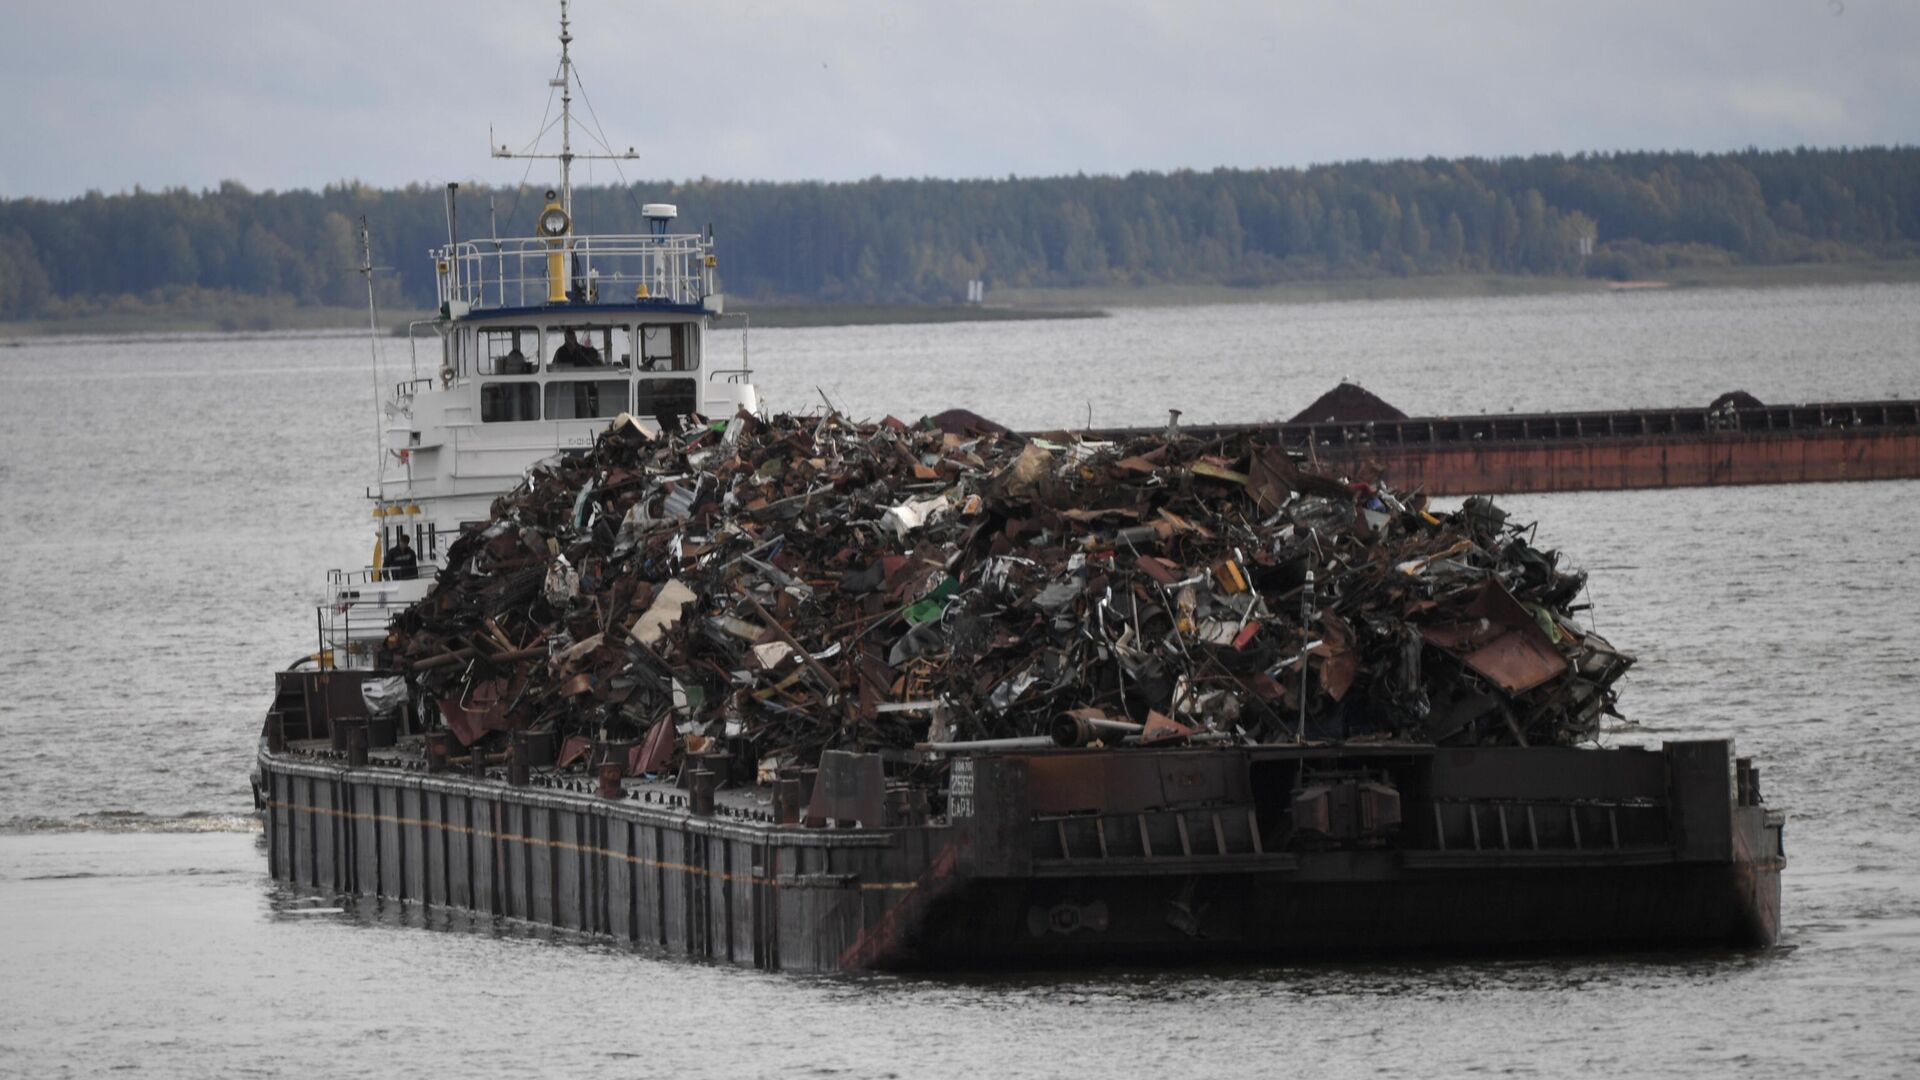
[170, 503]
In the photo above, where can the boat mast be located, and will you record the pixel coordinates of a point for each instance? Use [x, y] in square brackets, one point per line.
[366, 269]
[566, 157]
[373, 348]
[565, 82]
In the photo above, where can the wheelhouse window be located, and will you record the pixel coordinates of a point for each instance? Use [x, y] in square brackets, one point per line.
[502, 402]
[583, 347]
[667, 397]
[509, 350]
[666, 347]
[581, 399]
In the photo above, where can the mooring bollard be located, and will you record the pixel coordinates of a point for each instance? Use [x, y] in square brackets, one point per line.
[621, 751]
[609, 774]
[786, 801]
[899, 807]
[434, 745]
[704, 782]
[543, 747]
[356, 738]
[519, 773]
[382, 731]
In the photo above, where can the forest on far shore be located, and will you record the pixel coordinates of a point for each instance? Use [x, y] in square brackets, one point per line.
[880, 241]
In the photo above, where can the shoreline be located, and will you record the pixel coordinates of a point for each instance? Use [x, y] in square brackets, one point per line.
[786, 316]
[1471, 286]
[1017, 304]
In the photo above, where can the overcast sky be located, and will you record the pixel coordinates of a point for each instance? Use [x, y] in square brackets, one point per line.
[288, 93]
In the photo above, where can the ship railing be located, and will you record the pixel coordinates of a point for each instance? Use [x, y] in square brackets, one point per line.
[476, 275]
[1164, 834]
[348, 632]
[339, 579]
[367, 575]
[347, 579]
[405, 390]
[1505, 825]
[349, 624]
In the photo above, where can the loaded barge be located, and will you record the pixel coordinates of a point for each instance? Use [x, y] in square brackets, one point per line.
[1042, 856]
[1736, 440]
[1030, 851]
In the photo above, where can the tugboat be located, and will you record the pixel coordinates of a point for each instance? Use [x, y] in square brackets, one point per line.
[1092, 842]
[542, 341]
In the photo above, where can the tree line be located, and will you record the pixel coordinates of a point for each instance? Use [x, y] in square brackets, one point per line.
[915, 241]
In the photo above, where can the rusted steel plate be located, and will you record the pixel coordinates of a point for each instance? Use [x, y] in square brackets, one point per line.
[1499, 639]
[1127, 783]
[850, 787]
[653, 754]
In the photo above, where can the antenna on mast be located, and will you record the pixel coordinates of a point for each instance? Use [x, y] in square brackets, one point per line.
[365, 270]
[566, 114]
[563, 82]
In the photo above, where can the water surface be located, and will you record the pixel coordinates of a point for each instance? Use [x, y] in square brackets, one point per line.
[170, 505]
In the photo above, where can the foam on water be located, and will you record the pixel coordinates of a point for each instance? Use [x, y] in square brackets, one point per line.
[133, 821]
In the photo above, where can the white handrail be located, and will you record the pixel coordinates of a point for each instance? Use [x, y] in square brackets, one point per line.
[513, 272]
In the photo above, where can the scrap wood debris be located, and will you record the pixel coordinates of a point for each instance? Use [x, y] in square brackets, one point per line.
[778, 586]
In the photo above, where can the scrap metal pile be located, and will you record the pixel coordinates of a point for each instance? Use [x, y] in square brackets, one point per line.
[780, 586]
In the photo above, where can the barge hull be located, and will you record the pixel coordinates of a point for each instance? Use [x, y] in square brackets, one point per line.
[1172, 859]
[1279, 915]
[1625, 464]
[648, 873]
[1610, 451]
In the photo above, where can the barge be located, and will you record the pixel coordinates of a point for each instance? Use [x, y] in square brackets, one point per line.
[1046, 856]
[1737, 440]
[1081, 845]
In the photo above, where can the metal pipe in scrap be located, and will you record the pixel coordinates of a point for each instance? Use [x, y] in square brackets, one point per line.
[1029, 742]
[1201, 738]
[1070, 730]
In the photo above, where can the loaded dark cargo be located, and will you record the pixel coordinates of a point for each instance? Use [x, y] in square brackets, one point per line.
[813, 694]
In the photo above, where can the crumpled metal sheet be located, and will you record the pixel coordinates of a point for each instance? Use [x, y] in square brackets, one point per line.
[1500, 639]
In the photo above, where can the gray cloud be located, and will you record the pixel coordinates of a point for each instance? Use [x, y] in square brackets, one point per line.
[108, 95]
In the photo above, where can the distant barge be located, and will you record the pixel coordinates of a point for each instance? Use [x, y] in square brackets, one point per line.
[1043, 857]
[1737, 440]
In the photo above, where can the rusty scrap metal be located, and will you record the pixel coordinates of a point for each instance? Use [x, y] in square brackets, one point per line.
[755, 594]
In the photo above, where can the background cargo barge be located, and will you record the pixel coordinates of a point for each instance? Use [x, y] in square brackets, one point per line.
[1043, 856]
[1737, 440]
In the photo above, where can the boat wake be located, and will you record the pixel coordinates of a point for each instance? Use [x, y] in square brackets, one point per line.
[132, 821]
